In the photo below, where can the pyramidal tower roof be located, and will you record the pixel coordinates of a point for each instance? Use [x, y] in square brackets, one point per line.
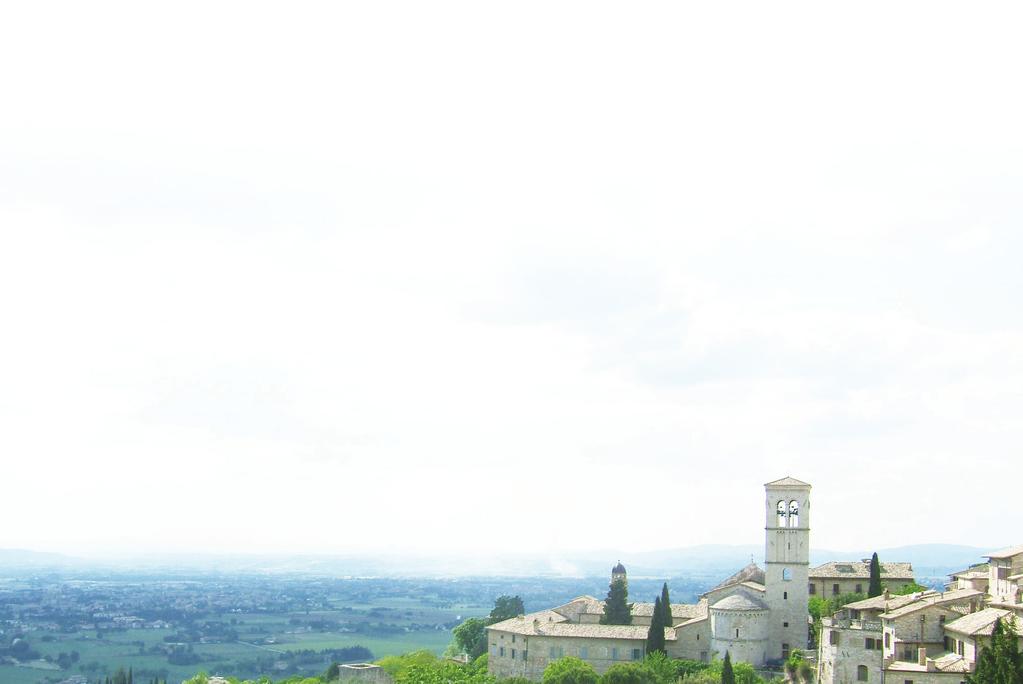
[787, 482]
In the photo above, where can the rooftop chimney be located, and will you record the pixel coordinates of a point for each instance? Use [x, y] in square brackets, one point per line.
[921, 656]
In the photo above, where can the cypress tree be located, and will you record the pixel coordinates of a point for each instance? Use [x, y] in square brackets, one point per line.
[1001, 662]
[655, 635]
[617, 610]
[666, 607]
[727, 674]
[875, 577]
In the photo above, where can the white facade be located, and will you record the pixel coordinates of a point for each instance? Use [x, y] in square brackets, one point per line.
[787, 566]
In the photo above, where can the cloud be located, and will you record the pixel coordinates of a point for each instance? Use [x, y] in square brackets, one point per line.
[454, 276]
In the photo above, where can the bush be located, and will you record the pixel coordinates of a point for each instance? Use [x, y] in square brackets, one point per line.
[570, 670]
[684, 668]
[515, 680]
[395, 665]
[629, 673]
[662, 667]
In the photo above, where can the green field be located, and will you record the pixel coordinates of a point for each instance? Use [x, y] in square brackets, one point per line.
[132, 648]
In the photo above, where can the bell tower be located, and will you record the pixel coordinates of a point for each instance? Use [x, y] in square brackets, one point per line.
[787, 565]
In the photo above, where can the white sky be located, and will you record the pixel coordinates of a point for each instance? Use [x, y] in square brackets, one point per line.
[523, 276]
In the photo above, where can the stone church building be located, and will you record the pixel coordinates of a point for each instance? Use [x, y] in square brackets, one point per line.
[758, 614]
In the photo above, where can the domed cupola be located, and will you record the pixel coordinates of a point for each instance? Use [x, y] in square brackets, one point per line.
[618, 572]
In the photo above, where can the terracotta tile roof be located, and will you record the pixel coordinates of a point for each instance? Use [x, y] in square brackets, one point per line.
[582, 605]
[857, 569]
[537, 624]
[739, 602]
[972, 571]
[981, 623]
[951, 662]
[886, 603]
[932, 599]
[678, 610]
[750, 573]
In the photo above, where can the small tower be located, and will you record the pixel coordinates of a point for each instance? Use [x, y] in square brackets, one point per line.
[618, 573]
[787, 565]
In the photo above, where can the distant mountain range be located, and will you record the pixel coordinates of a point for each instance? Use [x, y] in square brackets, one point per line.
[713, 560]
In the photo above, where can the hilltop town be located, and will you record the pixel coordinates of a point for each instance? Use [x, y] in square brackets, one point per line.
[760, 615]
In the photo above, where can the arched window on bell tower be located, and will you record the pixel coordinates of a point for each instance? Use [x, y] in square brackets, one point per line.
[794, 513]
[782, 513]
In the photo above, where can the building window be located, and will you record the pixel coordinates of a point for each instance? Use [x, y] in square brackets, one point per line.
[861, 673]
[584, 653]
[703, 656]
[887, 640]
[813, 589]
[524, 653]
[784, 651]
[782, 510]
[834, 638]
[784, 624]
[513, 654]
[736, 633]
[614, 654]
[513, 638]
[636, 654]
[869, 644]
[834, 590]
[859, 588]
[554, 652]
[502, 651]
[493, 650]
[908, 681]
[794, 514]
[960, 648]
[697, 636]
[785, 595]
[786, 575]
[944, 643]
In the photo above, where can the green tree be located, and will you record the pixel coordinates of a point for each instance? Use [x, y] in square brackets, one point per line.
[684, 668]
[666, 606]
[471, 637]
[569, 670]
[663, 667]
[617, 610]
[792, 664]
[629, 673]
[506, 607]
[655, 635]
[874, 589]
[727, 674]
[1000, 662]
[394, 665]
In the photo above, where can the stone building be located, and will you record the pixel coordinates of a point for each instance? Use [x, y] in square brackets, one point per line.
[853, 577]
[757, 615]
[928, 637]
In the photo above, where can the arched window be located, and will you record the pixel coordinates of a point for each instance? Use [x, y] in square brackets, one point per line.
[786, 574]
[794, 514]
[861, 673]
[782, 512]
